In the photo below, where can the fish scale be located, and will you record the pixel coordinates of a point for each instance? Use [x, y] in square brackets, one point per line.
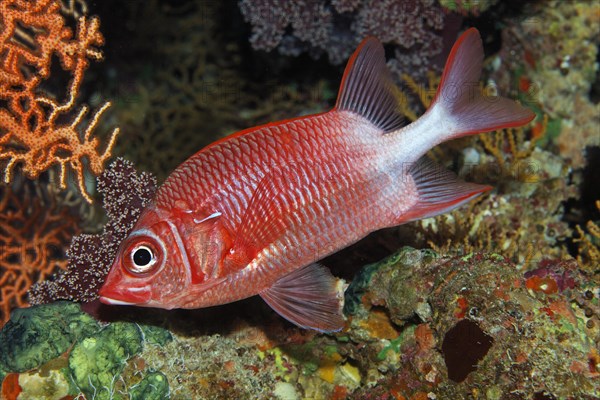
[231, 185]
[340, 213]
[251, 214]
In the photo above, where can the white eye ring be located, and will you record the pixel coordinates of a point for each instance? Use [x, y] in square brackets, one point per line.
[142, 259]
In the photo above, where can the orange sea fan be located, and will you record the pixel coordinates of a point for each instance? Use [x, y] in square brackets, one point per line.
[33, 236]
[31, 33]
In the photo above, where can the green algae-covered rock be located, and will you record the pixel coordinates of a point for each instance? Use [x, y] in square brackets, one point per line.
[358, 287]
[38, 334]
[396, 270]
[156, 335]
[36, 337]
[473, 320]
[96, 362]
[154, 386]
[397, 283]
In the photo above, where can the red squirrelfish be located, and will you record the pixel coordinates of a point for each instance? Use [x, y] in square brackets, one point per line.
[251, 214]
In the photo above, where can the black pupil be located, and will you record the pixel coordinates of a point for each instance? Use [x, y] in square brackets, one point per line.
[142, 257]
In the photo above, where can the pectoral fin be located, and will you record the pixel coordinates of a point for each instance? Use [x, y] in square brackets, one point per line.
[309, 298]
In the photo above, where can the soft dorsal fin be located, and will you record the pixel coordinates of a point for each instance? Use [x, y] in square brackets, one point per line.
[367, 88]
[309, 298]
[439, 190]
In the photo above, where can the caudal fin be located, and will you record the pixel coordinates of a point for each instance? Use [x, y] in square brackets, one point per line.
[460, 97]
[367, 89]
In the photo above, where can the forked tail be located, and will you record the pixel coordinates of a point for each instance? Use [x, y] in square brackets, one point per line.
[459, 97]
[458, 109]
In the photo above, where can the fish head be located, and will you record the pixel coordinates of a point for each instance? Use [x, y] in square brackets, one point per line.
[149, 269]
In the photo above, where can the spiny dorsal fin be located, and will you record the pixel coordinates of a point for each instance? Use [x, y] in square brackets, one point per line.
[367, 88]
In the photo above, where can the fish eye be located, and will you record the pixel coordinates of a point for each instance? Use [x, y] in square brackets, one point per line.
[142, 257]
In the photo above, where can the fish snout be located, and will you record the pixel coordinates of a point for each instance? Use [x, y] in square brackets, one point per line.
[127, 296]
[118, 291]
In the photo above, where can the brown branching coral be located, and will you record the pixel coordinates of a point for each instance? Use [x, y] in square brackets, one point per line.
[460, 232]
[425, 94]
[32, 236]
[521, 220]
[33, 134]
[125, 194]
[334, 28]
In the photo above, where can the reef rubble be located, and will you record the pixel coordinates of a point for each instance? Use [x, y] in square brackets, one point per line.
[419, 326]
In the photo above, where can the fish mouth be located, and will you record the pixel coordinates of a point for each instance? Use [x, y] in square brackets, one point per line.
[125, 297]
[113, 302]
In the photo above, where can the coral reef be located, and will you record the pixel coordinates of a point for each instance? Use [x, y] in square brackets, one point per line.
[553, 53]
[408, 317]
[589, 245]
[33, 234]
[90, 255]
[487, 296]
[522, 219]
[32, 132]
[213, 367]
[62, 351]
[414, 27]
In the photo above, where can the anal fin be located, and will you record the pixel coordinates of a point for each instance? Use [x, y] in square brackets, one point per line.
[309, 298]
[439, 190]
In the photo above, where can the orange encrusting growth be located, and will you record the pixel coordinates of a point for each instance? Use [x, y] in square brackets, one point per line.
[10, 387]
[31, 33]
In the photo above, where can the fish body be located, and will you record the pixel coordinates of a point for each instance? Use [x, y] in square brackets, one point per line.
[251, 214]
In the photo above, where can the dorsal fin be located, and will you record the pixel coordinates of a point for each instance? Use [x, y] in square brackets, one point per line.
[367, 88]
